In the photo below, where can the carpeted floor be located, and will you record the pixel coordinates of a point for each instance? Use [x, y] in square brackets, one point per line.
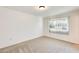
[42, 45]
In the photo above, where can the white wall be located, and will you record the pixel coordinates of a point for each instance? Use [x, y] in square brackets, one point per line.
[73, 35]
[16, 27]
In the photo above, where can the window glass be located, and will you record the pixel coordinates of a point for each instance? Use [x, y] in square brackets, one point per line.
[59, 25]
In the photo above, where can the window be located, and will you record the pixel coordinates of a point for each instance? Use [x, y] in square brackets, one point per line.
[59, 25]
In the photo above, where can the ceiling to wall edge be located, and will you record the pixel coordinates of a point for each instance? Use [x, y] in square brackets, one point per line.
[57, 15]
[40, 16]
[20, 11]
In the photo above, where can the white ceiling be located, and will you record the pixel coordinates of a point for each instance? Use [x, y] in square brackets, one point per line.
[52, 10]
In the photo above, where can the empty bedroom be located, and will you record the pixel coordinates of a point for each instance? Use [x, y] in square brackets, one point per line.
[39, 29]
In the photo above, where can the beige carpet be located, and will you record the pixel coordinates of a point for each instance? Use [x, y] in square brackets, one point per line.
[42, 45]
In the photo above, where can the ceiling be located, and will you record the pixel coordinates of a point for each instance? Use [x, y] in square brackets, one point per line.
[51, 10]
